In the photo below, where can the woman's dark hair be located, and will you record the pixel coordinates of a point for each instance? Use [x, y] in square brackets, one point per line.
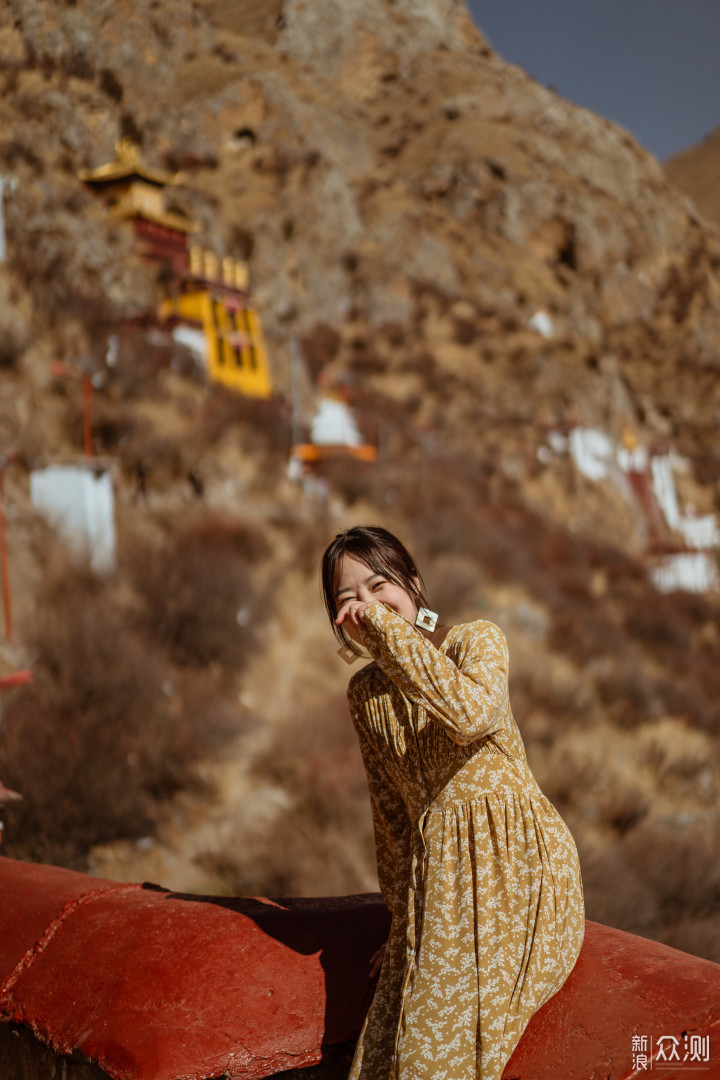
[381, 552]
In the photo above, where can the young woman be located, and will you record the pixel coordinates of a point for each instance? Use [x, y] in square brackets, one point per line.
[479, 870]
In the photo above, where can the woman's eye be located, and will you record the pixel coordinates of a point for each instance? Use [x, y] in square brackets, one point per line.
[378, 585]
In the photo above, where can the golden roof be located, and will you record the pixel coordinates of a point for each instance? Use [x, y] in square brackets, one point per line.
[128, 162]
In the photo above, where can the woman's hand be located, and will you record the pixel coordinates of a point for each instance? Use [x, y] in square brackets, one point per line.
[351, 613]
[376, 960]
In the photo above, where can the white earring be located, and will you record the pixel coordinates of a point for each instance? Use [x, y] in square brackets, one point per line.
[426, 619]
[347, 654]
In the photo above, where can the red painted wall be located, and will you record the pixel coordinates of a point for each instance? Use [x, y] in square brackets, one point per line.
[153, 985]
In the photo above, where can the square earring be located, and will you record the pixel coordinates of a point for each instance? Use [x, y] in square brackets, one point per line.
[426, 619]
[347, 654]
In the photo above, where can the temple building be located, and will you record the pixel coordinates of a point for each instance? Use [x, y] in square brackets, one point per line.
[207, 304]
[133, 190]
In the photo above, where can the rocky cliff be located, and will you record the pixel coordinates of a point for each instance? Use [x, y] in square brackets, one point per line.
[695, 171]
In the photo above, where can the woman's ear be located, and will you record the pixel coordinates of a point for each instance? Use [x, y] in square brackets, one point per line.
[416, 583]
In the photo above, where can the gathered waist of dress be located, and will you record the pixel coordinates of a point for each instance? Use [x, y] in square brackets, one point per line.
[479, 777]
[449, 801]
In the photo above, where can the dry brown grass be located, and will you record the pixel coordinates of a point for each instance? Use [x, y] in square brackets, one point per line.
[198, 591]
[323, 840]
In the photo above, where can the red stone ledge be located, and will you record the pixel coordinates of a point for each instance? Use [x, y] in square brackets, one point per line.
[146, 984]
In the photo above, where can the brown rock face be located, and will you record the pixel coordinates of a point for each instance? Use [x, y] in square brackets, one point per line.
[695, 172]
[341, 41]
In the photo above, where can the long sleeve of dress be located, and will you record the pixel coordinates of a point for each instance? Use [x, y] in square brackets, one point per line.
[390, 818]
[470, 700]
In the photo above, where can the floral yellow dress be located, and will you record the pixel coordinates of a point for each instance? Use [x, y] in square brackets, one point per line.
[479, 870]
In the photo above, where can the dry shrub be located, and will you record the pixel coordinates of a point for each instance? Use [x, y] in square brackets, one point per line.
[113, 422]
[264, 425]
[455, 583]
[692, 689]
[665, 623]
[100, 735]
[111, 85]
[444, 513]
[365, 359]
[671, 630]
[198, 590]
[347, 477]
[547, 707]
[77, 64]
[705, 464]
[20, 149]
[615, 894]
[428, 296]
[154, 460]
[15, 323]
[699, 936]
[309, 539]
[567, 772]
[631, 698]
[679, 857]
[658, 626]
[436, 380]
[203, 719]
[319, 347]
[419, 361]
[378, 411]
[466, 331]
[394, 332]
[685, 762]
[622, 806]
[138, 364]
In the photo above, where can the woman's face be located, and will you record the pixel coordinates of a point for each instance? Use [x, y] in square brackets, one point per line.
[359, 582]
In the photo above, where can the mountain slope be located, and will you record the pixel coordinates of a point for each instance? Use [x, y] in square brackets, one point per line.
[408, 203]
[695, 172]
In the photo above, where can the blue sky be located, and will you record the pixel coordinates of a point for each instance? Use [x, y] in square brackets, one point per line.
[651, 65]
